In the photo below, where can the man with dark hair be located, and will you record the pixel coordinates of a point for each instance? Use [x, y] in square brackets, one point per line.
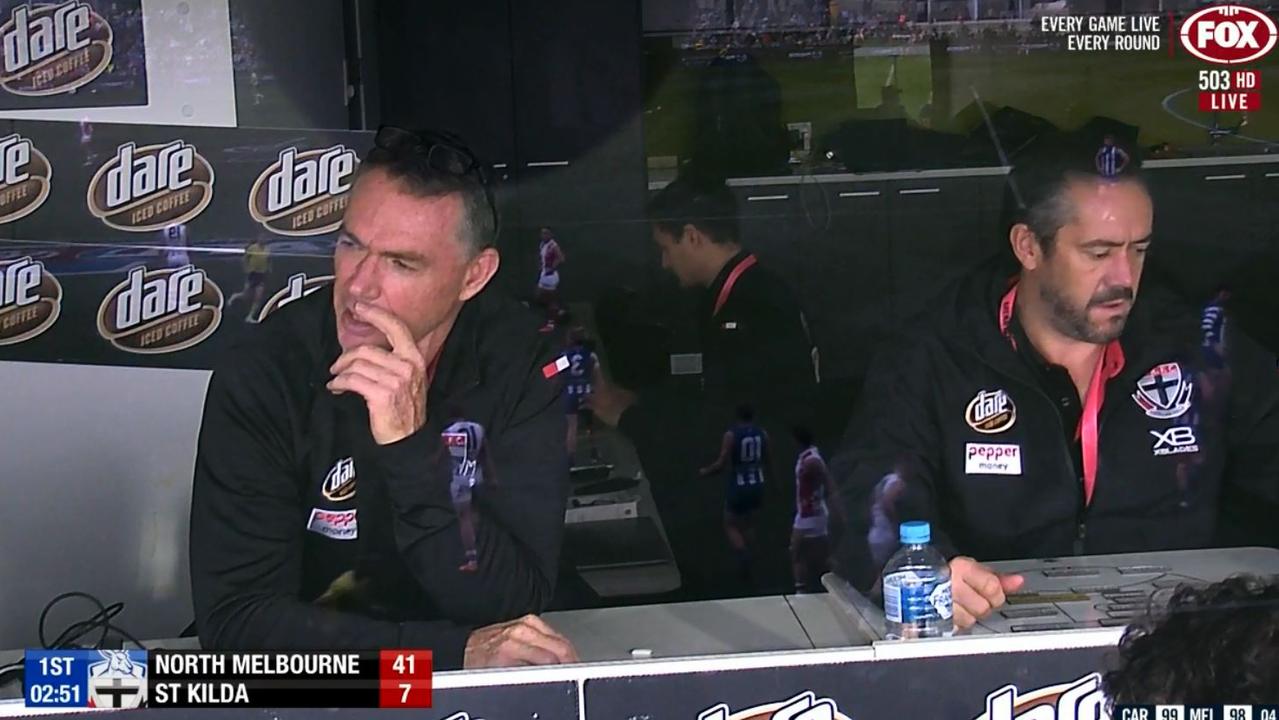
[1041, 410]
[328, 463]
[1217, 645]
[755, 343]
[755, 351]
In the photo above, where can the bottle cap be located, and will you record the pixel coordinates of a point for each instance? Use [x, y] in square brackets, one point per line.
[915, 532]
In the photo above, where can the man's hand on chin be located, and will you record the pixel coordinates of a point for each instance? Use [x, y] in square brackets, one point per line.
[526, 641]
[392, 382]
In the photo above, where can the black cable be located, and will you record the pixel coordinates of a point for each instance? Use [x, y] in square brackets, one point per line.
[68, 637]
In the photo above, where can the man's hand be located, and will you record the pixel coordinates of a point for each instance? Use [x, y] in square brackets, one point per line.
[526, 641]
[976, 590]
[392, 382]
[608, 401]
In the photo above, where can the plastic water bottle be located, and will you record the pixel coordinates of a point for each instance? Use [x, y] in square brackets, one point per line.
[916, 583]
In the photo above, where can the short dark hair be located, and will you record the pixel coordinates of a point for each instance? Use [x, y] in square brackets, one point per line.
[1036, 190]
[1216, 644]
[705, 203]
[432, 163]
[745, 413]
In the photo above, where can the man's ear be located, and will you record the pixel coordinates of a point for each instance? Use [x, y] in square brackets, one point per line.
[1026, 246]
[479, 271]
[693, 235]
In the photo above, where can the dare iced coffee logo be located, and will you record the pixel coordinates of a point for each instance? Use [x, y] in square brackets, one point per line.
[1228, 34]
[25, 174]
[304, 192]
[151, 187]
[30, 300]
[53, 48]
[160, 311]
[1079, 700]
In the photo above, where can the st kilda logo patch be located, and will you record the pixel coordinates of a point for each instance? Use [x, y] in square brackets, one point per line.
[1228, 34]
[304, 192]
[990, 412]
[1164, 392]
[53, 48]
[160, 311]
[30, 300]
[151, 187]
[25, 176]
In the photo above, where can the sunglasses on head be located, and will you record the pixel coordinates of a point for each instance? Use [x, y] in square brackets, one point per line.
[442, 152]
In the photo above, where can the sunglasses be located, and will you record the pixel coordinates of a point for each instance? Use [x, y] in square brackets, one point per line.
[440, 151]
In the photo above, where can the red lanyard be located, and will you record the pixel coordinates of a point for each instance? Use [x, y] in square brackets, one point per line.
[1108, 366]
[736, 273]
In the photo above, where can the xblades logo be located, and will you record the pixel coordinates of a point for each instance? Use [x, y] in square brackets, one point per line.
[1228, 34]
[53, 48]
[298, 287]
[30, 300]
[25, 175]
[304, 192]
[160, 311]
[153, 187]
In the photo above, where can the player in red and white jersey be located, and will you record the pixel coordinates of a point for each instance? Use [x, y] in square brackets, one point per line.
[810, 548]
[550, 257]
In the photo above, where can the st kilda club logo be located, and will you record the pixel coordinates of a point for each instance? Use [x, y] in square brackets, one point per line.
[30, 300]
[53, 48]
[25, 176]
[1228, 34]
[304, 192]
[152, 187]
[160, 311]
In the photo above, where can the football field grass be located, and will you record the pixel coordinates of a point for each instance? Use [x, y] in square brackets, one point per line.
[1067, 89]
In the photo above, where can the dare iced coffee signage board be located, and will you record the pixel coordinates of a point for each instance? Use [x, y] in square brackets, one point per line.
[71, 53]
[126, 245]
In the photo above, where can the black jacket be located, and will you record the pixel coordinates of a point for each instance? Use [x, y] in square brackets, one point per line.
[274, 520]
[756, 349]
[911, 453]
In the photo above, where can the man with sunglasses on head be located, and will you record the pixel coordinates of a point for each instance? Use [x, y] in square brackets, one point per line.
[1057, 402]
[322, 515]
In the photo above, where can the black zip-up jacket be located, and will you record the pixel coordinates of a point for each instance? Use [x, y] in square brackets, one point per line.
[1175, 463]
[291, 492]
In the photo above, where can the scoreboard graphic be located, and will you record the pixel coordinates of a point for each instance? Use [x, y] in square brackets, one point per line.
[201, 679]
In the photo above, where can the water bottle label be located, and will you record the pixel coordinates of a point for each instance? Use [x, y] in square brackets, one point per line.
[911, 597]
[939, 598]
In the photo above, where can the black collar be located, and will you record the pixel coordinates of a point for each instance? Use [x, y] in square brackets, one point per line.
[712, 292]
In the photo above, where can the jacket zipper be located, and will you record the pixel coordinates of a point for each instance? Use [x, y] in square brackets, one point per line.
[1081, 510]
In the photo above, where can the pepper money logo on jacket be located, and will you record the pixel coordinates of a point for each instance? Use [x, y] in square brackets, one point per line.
[304, 192]
[25, 176]
[152, 187]
[990, 412]
[30, 300]
[54, 48]
[160, 311]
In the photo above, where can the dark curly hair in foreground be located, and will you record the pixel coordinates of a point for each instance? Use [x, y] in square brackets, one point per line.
[1213, 645]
